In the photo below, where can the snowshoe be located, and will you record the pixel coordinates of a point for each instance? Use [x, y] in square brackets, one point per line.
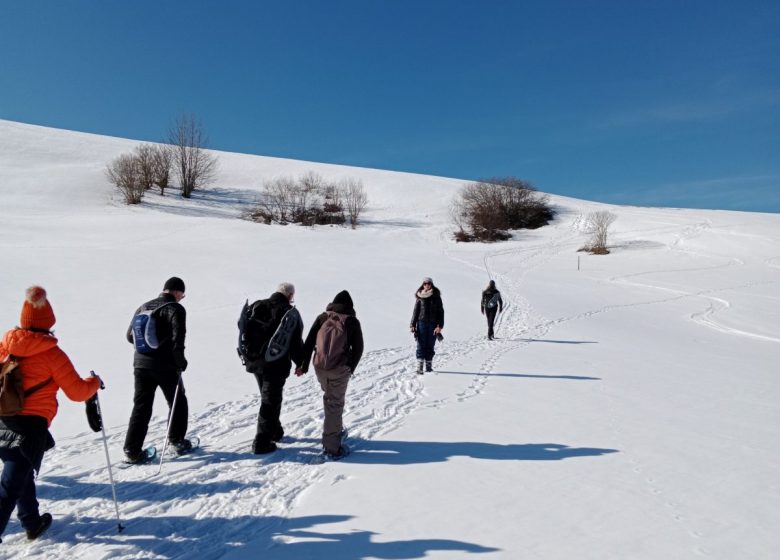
[280, 341]
[185, 446]
[145, 456]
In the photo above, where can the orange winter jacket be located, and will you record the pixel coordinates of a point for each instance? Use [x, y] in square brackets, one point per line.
[39, 359]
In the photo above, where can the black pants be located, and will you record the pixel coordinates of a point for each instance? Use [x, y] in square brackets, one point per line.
[491, 317]
[146, 383]
[271, 385]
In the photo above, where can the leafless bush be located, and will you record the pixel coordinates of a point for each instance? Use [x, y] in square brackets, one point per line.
[308, 200]
[355, 198]
[144, 155]
[125, 173]
[277, 197]
[162, 159]
[195, 167]
[597, 226]
[485, 210]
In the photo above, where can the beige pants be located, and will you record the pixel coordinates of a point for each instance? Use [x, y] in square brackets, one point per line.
[334, 383]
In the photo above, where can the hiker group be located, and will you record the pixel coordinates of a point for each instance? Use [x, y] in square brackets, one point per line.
[33, 369]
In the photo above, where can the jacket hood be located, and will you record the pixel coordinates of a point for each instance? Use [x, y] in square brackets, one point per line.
[23, 343]
[344, 298]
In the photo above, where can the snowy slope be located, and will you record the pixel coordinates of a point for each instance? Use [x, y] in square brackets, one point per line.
[629, 409]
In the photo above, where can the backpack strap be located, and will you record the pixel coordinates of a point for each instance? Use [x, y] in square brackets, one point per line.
[12, 362]
[40, 385]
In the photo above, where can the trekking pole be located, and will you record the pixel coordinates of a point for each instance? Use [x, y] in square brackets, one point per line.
[170, 419]
[119, 525]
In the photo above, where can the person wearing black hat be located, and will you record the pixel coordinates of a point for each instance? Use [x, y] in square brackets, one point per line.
[336, 339]
[490, 305]
[158, 363]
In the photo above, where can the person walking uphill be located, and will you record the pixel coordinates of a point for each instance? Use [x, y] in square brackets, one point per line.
[427, 322]
[24, 435]
[278, 337]
[336, 339]
[490, 305]
[159, 362]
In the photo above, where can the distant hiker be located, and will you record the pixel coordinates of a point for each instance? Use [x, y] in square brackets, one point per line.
[427, 322]
[491, 304]
[273, 340]
[157, 331]
[24, 434]
[336, 339]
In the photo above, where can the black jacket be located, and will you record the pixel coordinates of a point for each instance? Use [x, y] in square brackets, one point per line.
[279, 306]
[342, 303]
[171, 322]
[487, 295]
[429, 310]
[29, 434]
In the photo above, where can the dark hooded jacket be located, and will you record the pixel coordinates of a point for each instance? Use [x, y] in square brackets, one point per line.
[171, 323]
[342, 304]
[488, 294]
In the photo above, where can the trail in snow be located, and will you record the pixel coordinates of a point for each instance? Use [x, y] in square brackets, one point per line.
[223, 494]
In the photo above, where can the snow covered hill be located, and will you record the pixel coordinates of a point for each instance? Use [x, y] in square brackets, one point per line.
[628, 409]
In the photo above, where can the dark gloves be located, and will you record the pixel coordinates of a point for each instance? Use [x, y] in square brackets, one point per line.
[93, 414]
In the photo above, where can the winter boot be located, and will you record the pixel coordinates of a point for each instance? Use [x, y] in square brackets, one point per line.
[182, 447]
[420, 367]
[261, 446]
[136, 458]
[43, 524]
[428, 365]
[340, 454]
[278, 434]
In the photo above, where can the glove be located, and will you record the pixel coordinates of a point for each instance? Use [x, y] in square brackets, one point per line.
[93, 414]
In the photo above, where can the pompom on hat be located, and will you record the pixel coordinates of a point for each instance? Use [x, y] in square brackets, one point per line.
[36, 310]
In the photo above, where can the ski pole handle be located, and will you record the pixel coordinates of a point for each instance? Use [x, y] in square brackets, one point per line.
[93, 374]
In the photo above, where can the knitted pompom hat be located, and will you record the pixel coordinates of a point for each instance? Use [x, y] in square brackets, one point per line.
[36, 310]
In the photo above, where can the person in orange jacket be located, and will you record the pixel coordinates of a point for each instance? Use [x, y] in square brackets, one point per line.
[25, 437]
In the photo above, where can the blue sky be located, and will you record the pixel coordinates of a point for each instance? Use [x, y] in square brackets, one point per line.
[663, 103]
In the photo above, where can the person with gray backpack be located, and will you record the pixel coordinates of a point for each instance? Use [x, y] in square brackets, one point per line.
[336, 340]
[491, 305]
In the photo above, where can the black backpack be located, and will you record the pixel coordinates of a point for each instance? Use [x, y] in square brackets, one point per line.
[256, 326]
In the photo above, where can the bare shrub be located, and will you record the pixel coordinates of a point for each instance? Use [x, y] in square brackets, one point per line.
[486, 210]
[125, 173]
[355, 199]
[144, 155]
[195, 167]
[308, 200]
[277, 198]
[597, 226]
[162, 159]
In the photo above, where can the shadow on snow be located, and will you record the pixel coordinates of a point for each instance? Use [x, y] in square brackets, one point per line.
[240, 537]
[524, 375]
[416, 452]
